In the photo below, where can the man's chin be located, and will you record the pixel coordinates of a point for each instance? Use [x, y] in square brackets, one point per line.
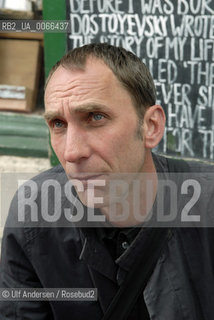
[94, 198]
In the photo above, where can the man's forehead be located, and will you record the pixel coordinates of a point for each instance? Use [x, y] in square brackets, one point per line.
[95, 86]
[96, 78]
[92, 68]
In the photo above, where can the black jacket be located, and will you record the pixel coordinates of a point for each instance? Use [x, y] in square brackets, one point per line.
[181, 286]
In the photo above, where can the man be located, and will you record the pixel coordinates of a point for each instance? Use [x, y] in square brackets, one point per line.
[103, 121]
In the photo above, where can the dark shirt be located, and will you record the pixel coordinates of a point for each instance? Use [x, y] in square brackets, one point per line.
[117, 241]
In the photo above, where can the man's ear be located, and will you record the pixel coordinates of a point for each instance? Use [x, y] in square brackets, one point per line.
[154, 124]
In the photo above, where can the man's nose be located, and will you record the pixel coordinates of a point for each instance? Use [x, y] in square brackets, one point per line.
[76, 145]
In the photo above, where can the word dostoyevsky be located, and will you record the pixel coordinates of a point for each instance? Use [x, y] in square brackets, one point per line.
[148, 25]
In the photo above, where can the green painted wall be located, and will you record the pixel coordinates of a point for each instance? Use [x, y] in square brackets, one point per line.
[23, 135]
[54, 43]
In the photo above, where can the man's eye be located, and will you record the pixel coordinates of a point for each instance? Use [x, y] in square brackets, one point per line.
[97, 116]
[58, 124]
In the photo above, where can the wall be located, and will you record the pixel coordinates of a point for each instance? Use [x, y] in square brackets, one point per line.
[176, 41]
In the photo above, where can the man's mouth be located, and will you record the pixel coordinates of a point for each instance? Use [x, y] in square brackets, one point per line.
[86, 177]
[88, 181]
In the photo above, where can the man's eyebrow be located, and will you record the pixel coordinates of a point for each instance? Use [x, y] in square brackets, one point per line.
[90, 108]
[85, 108]
[49, 115]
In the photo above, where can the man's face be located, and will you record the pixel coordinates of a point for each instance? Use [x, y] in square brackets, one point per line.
[93, 124]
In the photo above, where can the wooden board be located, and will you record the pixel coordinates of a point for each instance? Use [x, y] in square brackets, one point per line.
[23, 35]
[12, 92]
[19, 65]
[14, 105]
[15, 14]
[15, 98]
